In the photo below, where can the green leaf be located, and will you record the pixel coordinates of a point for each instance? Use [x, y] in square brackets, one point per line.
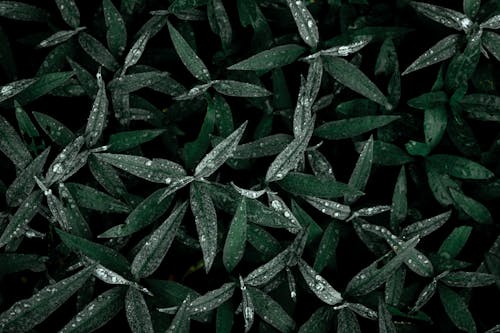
[44, 85]
[16, 10]
[491, 23]
[98, 252]
[352, 127]
[430, 100]
[350, 76]
[455, 242]
[459, 167]
[317, 186]
[97, 51]
[247, 306]
[27, 313]
[26, 126]
[194, 151]
[331, 208]
[305, 22]
[416, 261]
[97, 313]
[219, 22]
[399, 208]
[395, 286]
[271, 311]
[385, 323]
[425, 227]
[425, 295]
[263, 241]
[180, 323]
[491, 41]
[327, 248]
[289, 158]
[145, 213]
[480, 105]
[98, 115]
[463, 65]
[212, 299]
[442, 50]
[371, 277]
[91, 198]
[269, 270]
[151, 254]
[154, 170]
[471, 7]
[225, 318]
[319, 164]
[122, 141]
[187, 55]
[74, 218]
[136, 51]
[239, 89]
[318, 285]
[136, 309]
[439, 184]
[234, 247]
[445, 16]
[457, 310]
[361, 172]
[347, 322]
[23, 215]
[12, 89]
[219, 154]
[387, 154]
[206, 222]
[12, 145]
[57, 132]
[468, 279]
[67, 162]
[86, 80]
[107, 177]
[275, 57]
[476, 210]
[320, 321]
[69, 12]
[266, 146]
[116, 32]
[435, 121]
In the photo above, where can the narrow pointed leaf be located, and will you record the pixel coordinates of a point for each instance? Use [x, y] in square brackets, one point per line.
[240, 89]
[97, 313]
[154, 170]
[22, 186]
[212, 299]
[206, 222]
[136, 309]
[12, 145]
[271, 311]
[266, 146]
[348, 128]
[476, 210]
[491, 23]
[187, 55]
[116, 32]
[385, 323]
[136, 51]
[399, 208]
[425, 227]
[445, 16]
[327, 248]
[275, 57]
[289, 158]
[100, 253]
[97, 51]
[459, 167]
[69, 12]
[23, 215]
[145, 213]
[32, 311]
[320, 321]
[56, 131]
[442, 50]
[305, 22]
[351, 77]
[331, 208]
[455, 242]
[234, 247]
[462, 66]
[347, 322]
[468, 279]
[318, 285]
[268, 271]
[457, 309]
[122, 141]
[12, 89]
[361, 173]
[218, 156]
[90, 198]
[491, 41]
[371, 277]
[180, 323]
[98, 115]
[150, 256]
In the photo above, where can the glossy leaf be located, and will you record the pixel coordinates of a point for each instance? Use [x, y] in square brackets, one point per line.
[318, 285]
[352, 127]
[305, 22]
[234, 247]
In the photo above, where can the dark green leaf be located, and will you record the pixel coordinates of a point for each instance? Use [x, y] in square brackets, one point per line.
[17, 10]
[239, 89]
[276, 57]
[457, 310]
[476, 210]
[348, 128]
[136, 309]
[12, 145]
[318, 285]
[455, 242]
[97, 51]
[361, 172]
[234, 247]
[305, 22]
[27, 313]
[271, 311]
[116, 33]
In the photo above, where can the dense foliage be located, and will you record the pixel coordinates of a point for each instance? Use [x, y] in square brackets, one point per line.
[249, 165]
